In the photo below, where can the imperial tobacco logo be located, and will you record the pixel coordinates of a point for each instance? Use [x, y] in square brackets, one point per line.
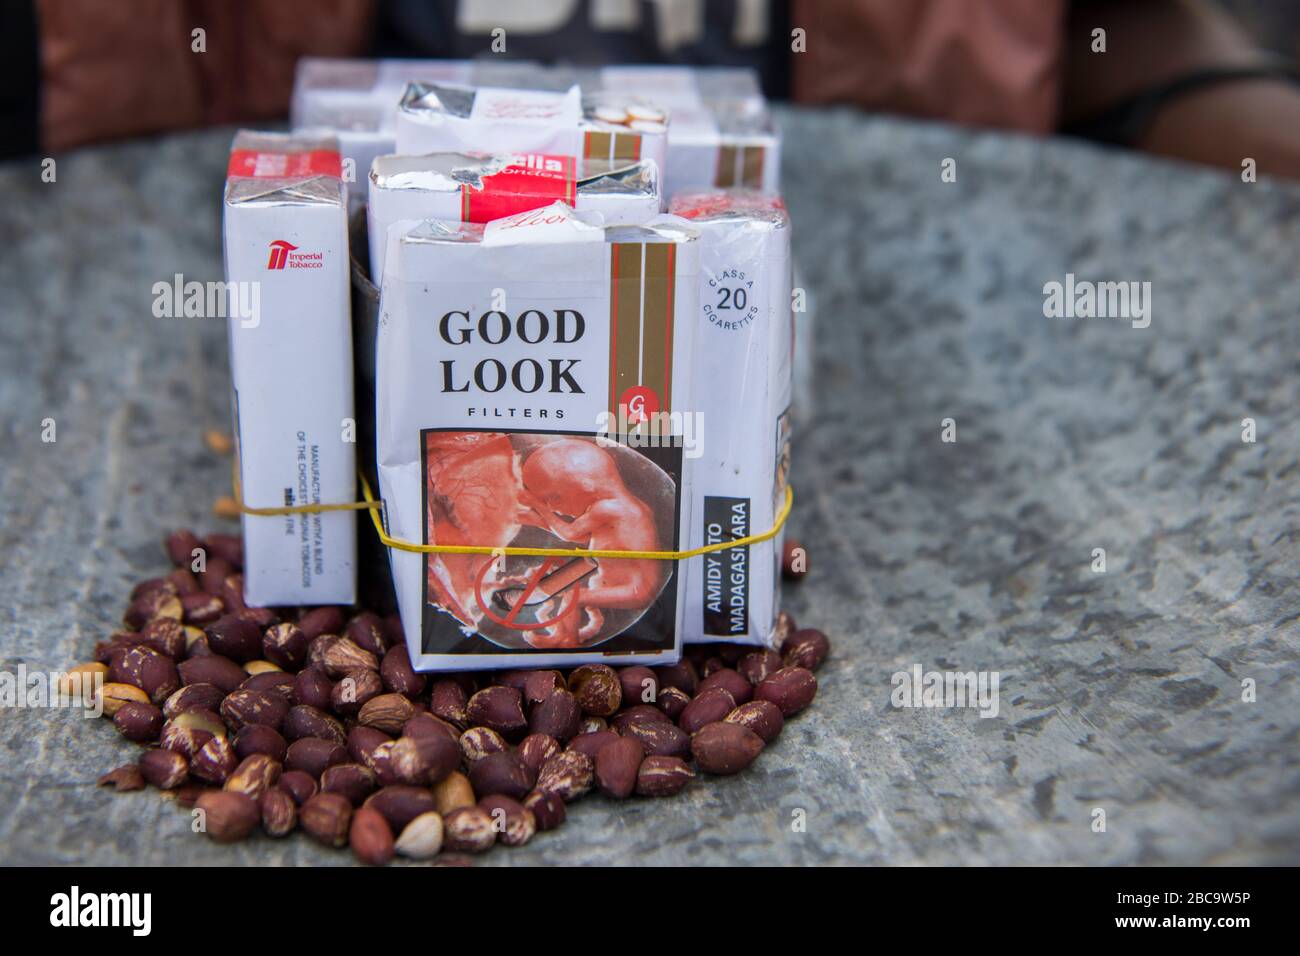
[280, 250]
[74, 908]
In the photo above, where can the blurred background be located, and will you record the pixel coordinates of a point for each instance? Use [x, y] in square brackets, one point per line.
[1208, 81]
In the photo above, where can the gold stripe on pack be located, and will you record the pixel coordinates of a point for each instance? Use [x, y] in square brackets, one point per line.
[625, 303]
[752, 163]
[627, 146]
[656, 350]
[596, 146]
[726, 174]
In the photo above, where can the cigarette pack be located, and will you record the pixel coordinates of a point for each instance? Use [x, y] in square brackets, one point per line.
[479, 188]
[286, 241]
[356, 100]
[508, 355]
[744, 345]
[722, 133]
[444, 117]
[673, 83]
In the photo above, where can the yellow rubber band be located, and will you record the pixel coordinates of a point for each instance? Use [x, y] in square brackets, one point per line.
[295, 509]
[373, 506]
[401, 545]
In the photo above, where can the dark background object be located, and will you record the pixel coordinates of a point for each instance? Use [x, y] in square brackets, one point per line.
[428, 28]
[20, 80]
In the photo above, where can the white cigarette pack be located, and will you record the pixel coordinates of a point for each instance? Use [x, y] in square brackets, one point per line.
[479, 188]
[286, 242]
[744, 345]
[356, 100]
[722, 133]
[444, 117]
[508, 354]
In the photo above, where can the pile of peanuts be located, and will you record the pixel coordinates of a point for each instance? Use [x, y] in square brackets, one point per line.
[313, 718]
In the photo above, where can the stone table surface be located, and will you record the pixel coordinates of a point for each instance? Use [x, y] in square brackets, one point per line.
[1128, 691]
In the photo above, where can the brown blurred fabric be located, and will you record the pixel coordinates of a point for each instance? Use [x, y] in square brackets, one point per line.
[114, 68]
[91, 51]
[995, 63]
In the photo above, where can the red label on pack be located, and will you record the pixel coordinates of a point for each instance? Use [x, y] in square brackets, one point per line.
[531, 181]
[706, 203]
[255, 164]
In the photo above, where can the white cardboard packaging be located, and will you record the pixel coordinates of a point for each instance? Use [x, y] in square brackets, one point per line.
[744, 341]
[356, 100]
[722, 133]
[285, 231]
[505, 352]
[480, 188]
[451, 118]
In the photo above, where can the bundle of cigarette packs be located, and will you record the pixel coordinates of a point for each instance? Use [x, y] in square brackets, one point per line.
[721, 132]
[558, 363]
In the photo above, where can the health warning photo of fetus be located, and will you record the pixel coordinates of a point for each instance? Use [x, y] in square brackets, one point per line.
[547, 490]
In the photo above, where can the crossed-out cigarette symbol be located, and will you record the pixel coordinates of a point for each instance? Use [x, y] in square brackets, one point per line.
[553, 576]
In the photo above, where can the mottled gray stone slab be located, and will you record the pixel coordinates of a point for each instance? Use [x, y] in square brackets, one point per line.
[1120, 691]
